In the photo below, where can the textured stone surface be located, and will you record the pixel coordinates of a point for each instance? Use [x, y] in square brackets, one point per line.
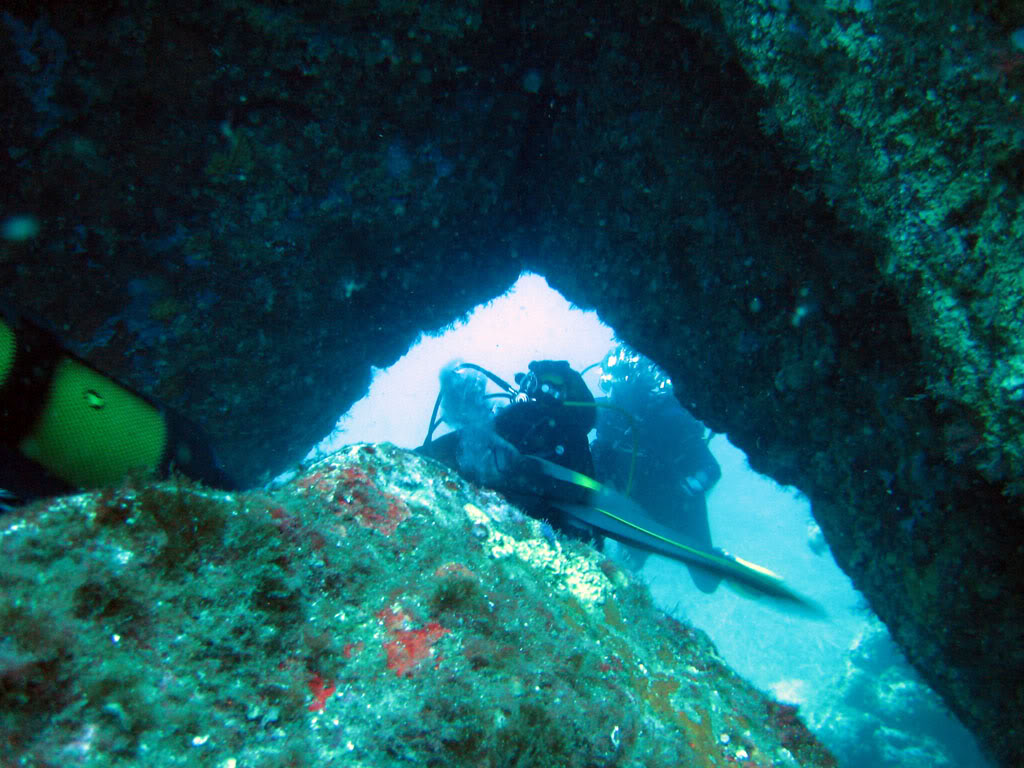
[377, 610]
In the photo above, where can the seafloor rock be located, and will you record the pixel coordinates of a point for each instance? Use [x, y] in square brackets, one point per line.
[377, 610]
[884, 715]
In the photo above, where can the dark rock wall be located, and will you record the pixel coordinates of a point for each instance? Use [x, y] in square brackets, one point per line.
[243, 207]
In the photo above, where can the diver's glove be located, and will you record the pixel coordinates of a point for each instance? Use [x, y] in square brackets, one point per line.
[694, 485]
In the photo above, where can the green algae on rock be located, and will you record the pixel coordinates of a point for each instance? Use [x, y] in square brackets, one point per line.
[375, 610]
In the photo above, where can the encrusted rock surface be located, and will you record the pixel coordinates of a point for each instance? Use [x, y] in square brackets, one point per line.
[375, 611]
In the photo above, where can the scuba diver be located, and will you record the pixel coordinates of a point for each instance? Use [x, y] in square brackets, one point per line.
[549, 416]
[535, 451]
[652, 450]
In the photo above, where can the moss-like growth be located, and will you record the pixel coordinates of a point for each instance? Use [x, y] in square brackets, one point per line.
[520, 656]
[457, 594]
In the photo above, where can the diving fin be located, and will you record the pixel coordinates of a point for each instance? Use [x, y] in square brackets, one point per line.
[65, 425]
[622, 518]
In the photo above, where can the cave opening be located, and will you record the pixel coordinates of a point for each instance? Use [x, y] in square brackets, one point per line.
[818, 665]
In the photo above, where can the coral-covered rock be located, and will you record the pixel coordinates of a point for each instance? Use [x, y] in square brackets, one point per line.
[376, 609]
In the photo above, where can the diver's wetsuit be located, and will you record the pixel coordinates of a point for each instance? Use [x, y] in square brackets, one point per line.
[553, 425]
[671, 473]
[549, 428]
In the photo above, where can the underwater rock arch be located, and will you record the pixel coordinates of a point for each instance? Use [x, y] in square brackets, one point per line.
[243, 241]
